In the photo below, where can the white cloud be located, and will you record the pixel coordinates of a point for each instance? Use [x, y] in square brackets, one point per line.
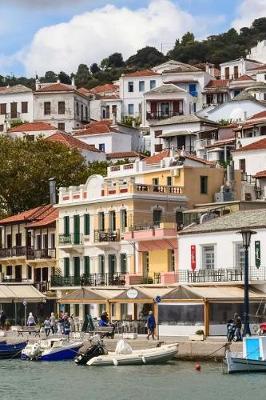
[248, 11]
[91, 36]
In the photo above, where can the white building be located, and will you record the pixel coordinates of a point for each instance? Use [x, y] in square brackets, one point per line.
[89, 152]
[32, 130]
[105, 102]
[104, 137]
[233, 69]
[16, 104]
[61, 105]
[258, 52]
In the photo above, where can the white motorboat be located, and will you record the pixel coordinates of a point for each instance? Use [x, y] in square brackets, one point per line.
[54, 349]
[126, 356]
[252, 359]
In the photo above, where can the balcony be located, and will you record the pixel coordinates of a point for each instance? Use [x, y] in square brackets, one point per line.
[158, 189]
[155, 231]
[40, 254]
[158, 115]
[116, 279]
[220, 275]
[13, 115]
[16, 251]
[71, 239]
[106, 236]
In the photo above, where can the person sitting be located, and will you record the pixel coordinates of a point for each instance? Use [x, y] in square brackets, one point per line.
[104, 319]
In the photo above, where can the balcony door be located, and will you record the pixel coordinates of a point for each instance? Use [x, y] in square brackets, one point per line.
[18, 273]
[111, 264]
[76, 267]
[112, 221]
[14, 110]
[165, 109]
[145, 264]
[76, 229]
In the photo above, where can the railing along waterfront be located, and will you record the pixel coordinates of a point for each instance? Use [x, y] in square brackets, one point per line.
[220, 275]
[117, 279]
[106, 235]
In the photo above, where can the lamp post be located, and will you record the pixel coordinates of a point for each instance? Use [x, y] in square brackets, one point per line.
[246, 237]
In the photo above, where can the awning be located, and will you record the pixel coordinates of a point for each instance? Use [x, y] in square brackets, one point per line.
[89, 296]
[140, 295]
[19, 293]
[203, 210]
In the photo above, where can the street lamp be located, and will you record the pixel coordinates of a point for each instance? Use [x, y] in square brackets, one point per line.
[246, 237]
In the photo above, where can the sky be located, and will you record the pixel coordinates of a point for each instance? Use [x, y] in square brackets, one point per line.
[41, 35]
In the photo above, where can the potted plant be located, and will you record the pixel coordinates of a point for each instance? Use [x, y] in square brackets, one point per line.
[198, 336]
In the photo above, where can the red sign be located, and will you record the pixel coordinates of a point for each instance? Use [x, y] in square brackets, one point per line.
[193, 257]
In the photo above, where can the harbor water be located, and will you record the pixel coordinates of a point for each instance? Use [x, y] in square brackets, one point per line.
[176, 380]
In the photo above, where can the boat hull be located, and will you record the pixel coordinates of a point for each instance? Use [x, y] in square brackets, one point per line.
[8, 350]
[142, 357]
[58, 352]
[60, 355]
[235, 363]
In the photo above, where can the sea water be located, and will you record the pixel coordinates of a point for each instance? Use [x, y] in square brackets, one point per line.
[20, 380]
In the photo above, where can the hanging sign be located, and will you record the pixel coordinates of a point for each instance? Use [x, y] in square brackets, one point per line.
[193, 257]
[132, 293]
[158, 299]
[257, 253]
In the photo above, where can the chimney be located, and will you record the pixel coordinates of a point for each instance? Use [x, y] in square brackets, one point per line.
[73, 82]
[37, 84]
[52, 190]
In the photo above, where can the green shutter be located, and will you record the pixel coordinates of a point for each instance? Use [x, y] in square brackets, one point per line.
[101, 264]
[87, 265]
[76, 229]
[111, 263]
[66, 225]
[86, 224]
[66, 267]
[76, 267]
[123, 263]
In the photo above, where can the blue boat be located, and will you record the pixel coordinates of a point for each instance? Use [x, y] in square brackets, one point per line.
[56, 349]
[11, 350]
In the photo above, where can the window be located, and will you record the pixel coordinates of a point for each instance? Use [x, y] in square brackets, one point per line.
[76, 229]
[1, 128]
[61, 107]
[171, 260]
[236, 92]
[81, 111]
[123, 263]
[130, 109]
[45, 241]
[9, 270]
[265, 77]
[29, 272]
[227, 73]
[9, 241]
[131, 87]
[76, 267]
[66, 225]
[208, 257]
[77, 108]
[192, 89]
[158, 148]
[76, 312]
[86, 224]
[239, 256]
[152, 84]
[101, 221]
[47, 108]
[157, 217]
[203, 184]
[52, 241]
[165, 109]
[179, 219]
[264, 96]
[86, 113]
[220, 98]
[38, 242]
[87, 265]
[101, 264]
[242, 165]
[112, 221]
[169, 181]
[14, 109]
[155, 181]
[61, 126]
[114, 109]
[3, 108]
[236, 72]
[141, 86]
[158, 133]
[24, 107]
[209, 98]
[18, 239]
[66, 267]
[102, 147]
[123, 220]
[111, 264]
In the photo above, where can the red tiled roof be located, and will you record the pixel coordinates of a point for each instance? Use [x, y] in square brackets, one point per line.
[260, 67]
[216, 83]
[72, 142]
[83, 91]
[244, 78]
[96, 128]
[48, 219]
[259, 145]
[33, 127]
[221, 142]
[260, 174]
[107, 88]
[124, 154]
[57, 87]
[26, 216]
[144, 72]
[259, 115]
[156, 158]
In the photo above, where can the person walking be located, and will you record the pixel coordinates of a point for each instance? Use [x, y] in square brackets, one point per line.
[151, 325]
[47, 327]
[238, 326]
[2, 319]
[31, 320]
[52, 323]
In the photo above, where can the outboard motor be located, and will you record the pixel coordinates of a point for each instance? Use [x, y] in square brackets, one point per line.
[96, 349]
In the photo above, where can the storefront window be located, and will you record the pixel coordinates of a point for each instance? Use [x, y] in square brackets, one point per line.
[181, 314]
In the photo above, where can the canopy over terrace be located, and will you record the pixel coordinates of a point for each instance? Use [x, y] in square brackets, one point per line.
[20, 293]
[188, 308]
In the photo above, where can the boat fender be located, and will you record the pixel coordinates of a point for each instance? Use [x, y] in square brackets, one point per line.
[115, 362]
[144, 360]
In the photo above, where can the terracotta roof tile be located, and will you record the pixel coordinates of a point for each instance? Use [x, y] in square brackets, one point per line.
[244, 78]
[96, 128]
[156, 158]
[124, 154]
[259, 145]
[26, 216]
[107, 88]
[33, 127]
[260, 67]
[72, 142]
[259, 115]
[48, 219]
[144, 72]
[57, 87]
[216, 83]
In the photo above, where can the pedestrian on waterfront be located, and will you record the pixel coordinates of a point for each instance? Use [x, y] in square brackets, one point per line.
[52, 323]
[104, 319]
[2, 319]
[151, 325]
[47, 327]
[31, 320]
[72, 323]
[66, 325]
[238, 326]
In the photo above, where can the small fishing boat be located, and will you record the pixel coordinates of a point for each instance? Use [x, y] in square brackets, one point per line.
[124, 355]
[56, 349]
[252, 359]
[11, 350]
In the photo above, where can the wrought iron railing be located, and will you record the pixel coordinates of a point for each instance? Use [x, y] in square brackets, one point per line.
[74, 238]
[116, 279]
[106, 235]
[220, 275]
[16, 251]
[162, 114]
[42, 253]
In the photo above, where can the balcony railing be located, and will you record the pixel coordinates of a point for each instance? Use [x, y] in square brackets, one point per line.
[75, 238]
[13, 115]
[42, 253]
[17, 251]
[42, 286]
[106, 236]
[220, 275]
[248, 178]
[116, 279]
[162, 114]
[158, 189]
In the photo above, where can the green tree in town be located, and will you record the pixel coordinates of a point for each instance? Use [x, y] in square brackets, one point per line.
[82, 76]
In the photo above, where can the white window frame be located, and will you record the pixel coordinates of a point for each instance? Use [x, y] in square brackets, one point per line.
[203, 257]
[239, 260]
